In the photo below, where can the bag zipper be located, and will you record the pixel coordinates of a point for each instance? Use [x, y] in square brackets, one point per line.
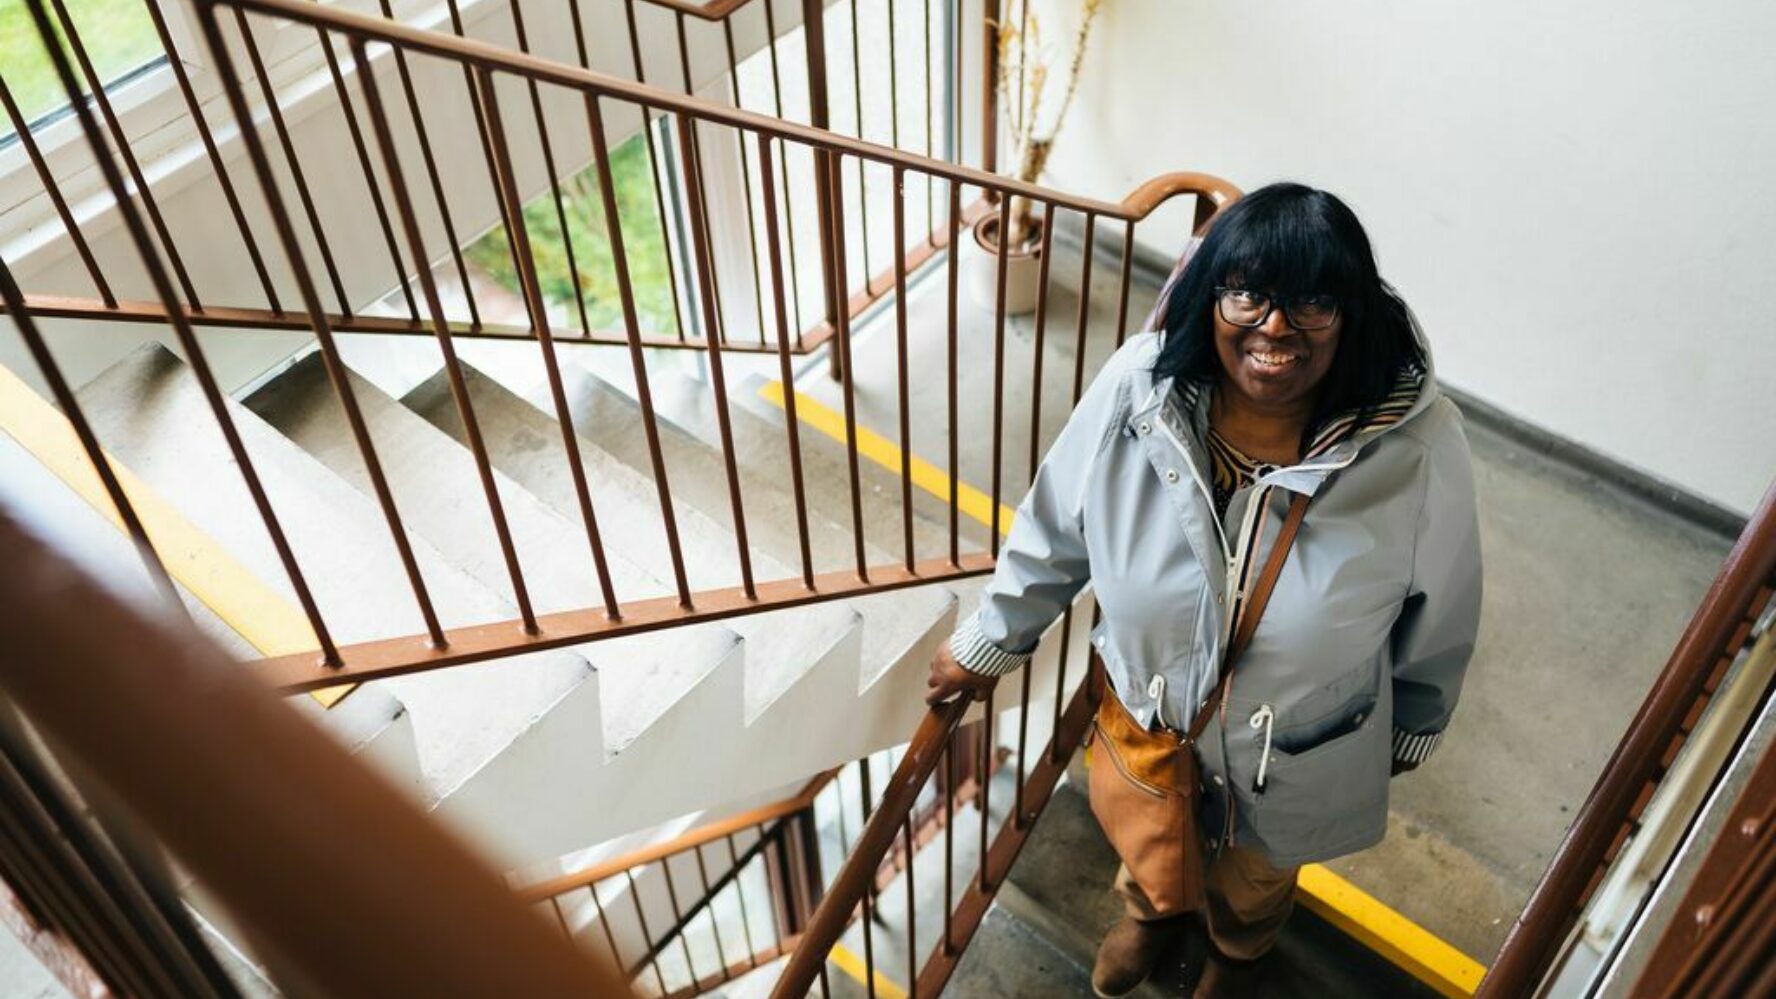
[1109, 745]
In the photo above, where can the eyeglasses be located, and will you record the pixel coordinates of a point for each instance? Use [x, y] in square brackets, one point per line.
[1250, 309]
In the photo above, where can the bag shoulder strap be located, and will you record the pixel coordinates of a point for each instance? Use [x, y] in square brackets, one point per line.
[1254, 609]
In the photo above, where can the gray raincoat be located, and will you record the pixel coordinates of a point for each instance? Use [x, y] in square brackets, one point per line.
[1359, 657]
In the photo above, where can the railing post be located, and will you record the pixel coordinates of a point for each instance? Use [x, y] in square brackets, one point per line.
[814, 30]
[809, 837]
[990, 89]
[786, 907]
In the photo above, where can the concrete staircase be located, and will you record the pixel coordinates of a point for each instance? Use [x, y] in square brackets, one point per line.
[548, 753]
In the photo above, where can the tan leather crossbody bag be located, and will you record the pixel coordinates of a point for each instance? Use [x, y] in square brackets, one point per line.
[1145, 786]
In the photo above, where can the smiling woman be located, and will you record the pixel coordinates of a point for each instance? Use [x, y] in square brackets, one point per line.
[1268, 480]
[119, 38]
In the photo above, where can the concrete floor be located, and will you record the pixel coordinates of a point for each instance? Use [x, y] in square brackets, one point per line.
[1586, 592]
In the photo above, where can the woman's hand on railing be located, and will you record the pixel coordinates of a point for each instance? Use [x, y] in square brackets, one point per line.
[949, 678]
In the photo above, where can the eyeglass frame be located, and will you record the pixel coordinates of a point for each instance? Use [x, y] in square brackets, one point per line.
[1270, 304]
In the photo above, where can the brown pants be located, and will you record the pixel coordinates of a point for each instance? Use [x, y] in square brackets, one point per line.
[1248, 902]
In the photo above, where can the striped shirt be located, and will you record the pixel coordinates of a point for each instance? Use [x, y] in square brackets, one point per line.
[1232, 470]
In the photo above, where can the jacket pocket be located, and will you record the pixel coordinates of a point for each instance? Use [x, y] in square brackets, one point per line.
[1326, 799]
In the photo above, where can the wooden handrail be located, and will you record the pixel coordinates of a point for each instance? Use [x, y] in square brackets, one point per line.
[325, 865]
[858, 875]
[1719, 628]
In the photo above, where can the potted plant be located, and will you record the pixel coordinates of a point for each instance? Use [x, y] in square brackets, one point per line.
[1033, 124]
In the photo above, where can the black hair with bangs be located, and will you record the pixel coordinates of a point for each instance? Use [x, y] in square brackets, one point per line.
[1291, 239]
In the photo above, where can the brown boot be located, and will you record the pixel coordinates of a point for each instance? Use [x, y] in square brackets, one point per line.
[1225, 978]
[1128, 954]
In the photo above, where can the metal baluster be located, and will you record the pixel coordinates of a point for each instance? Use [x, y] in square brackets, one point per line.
[536, 107]
[678, 920]
[96, 91]
[950, 371]
[560, 917]
[765, 836]
[900, 332]
[22, 129]
[430, 160]
[357, 138]
[912, 937]
[999, 363]
[869, 940]
[647, 935]
[784, 372]
[1061, 681]
[647, 131]
[758, 287]
[604, 921]
[177, 65]
[425, 147]
[894, 95]
[1085, 293]
[459, 391]
[65, 400]
[712, 276]
[1017, 808]
[692, 153]
[795, 290]
[740, 892]
[721, 953]
[986, 777]
[1044, 255]
[862, 180]
[949, 811]
[508, 192]
[834, 163]
[1128, 259]
[930, 113]
[644, 397]
[276, 112]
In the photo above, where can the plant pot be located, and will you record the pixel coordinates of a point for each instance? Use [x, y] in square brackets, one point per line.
[1023, 268]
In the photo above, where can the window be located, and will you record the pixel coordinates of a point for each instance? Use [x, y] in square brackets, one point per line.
[118, 36]
[643, 241]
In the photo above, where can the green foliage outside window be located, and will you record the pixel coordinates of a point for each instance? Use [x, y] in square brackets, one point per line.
[117, 34]
[642, 239]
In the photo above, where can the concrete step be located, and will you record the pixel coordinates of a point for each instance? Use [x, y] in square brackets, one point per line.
[150, 411]
[690, 443]
[371, 721]
[714, 738]
[420, 460]
[525, 442]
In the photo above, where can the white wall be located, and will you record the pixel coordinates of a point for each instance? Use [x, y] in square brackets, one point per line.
[1551, 186]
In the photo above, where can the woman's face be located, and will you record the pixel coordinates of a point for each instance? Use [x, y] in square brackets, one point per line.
[1274, 364]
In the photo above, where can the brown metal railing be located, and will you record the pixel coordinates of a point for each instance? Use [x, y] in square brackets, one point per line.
[270, 314]
[933, 755]
[1722, 942]
[487, 68]
[1715, 635]
[340, 885]
[781, 843]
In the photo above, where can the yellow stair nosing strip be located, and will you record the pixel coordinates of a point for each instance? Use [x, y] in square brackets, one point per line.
[1358, 914]
[929, 478]
[263, 617]
[852, 965]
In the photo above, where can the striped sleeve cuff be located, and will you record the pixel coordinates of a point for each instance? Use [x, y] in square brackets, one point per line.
[1415, 749]
[977, 655]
